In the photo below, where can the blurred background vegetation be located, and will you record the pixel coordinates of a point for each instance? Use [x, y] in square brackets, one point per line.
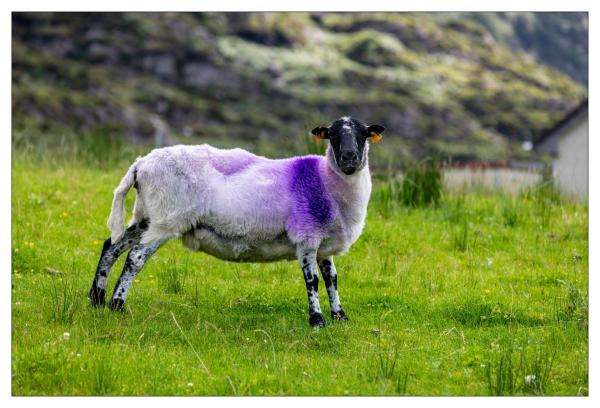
[445, 85]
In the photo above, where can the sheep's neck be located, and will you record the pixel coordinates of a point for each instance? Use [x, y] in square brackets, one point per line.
[351, 192]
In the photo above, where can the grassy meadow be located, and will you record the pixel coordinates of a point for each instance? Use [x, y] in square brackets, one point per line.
[481, 294]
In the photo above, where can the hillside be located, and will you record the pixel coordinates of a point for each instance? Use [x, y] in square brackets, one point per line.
[556, 39]
[262, 80]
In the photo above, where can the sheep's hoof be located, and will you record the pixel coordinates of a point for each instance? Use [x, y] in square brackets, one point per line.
[96, 295]
[316, 320]
[339, 316]
[118, 305]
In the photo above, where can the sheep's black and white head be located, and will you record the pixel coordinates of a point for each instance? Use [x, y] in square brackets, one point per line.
[348, 137]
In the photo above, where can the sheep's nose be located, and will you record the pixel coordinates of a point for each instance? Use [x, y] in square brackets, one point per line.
[349, 156]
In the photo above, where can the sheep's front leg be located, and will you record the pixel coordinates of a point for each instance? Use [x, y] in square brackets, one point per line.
[308, 262]
[330, 277]
[135, 261]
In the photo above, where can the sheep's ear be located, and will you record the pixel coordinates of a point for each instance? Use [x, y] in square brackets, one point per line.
[376, 133]
[320, 132]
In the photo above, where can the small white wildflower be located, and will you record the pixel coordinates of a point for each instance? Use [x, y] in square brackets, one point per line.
[66, 335]
[78, 354]
[529, 379]
[490, 261]
[190, 384]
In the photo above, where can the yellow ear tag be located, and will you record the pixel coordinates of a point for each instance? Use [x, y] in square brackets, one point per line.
[376, 137]
[319, 137]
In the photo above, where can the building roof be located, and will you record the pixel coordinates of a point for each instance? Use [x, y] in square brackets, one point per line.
[547, 133]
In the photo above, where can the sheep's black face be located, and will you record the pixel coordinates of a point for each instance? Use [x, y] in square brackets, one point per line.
[347, 137]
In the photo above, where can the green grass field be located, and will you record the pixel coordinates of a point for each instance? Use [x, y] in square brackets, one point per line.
[482, 295]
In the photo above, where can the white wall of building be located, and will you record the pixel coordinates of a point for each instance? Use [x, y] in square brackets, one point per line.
[570, 168]
[512, 181]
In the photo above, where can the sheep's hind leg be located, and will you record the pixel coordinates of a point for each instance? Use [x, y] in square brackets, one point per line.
[135, 261]
[108, 257]
[308, 262]
[330, 277]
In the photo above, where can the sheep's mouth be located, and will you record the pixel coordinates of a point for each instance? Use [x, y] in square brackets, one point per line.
[348, 170]
[347, 167]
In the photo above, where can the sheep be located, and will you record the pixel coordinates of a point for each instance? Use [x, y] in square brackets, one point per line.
[240, 207]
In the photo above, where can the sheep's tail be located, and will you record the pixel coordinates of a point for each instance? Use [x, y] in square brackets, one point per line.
[115, 221]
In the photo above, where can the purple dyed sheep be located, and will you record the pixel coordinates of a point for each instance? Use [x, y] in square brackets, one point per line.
[245, 208]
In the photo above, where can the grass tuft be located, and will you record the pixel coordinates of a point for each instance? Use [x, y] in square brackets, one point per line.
[62, 300]
[519, 370]
[421, 185]
[510, 213]
[387, 198]
[104, 377]
[460, 236]
[544, 196]
[174, 276]
[454, 209]
[572, 305]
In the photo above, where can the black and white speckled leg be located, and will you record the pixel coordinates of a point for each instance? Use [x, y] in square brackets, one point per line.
[135, 261]
[330, 277]
[108, 257]
[308, 262]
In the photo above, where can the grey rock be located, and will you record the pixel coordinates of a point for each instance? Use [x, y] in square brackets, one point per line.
[201, 75]
[163, 65]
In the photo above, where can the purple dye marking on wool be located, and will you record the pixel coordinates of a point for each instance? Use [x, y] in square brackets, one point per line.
[309, 192]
